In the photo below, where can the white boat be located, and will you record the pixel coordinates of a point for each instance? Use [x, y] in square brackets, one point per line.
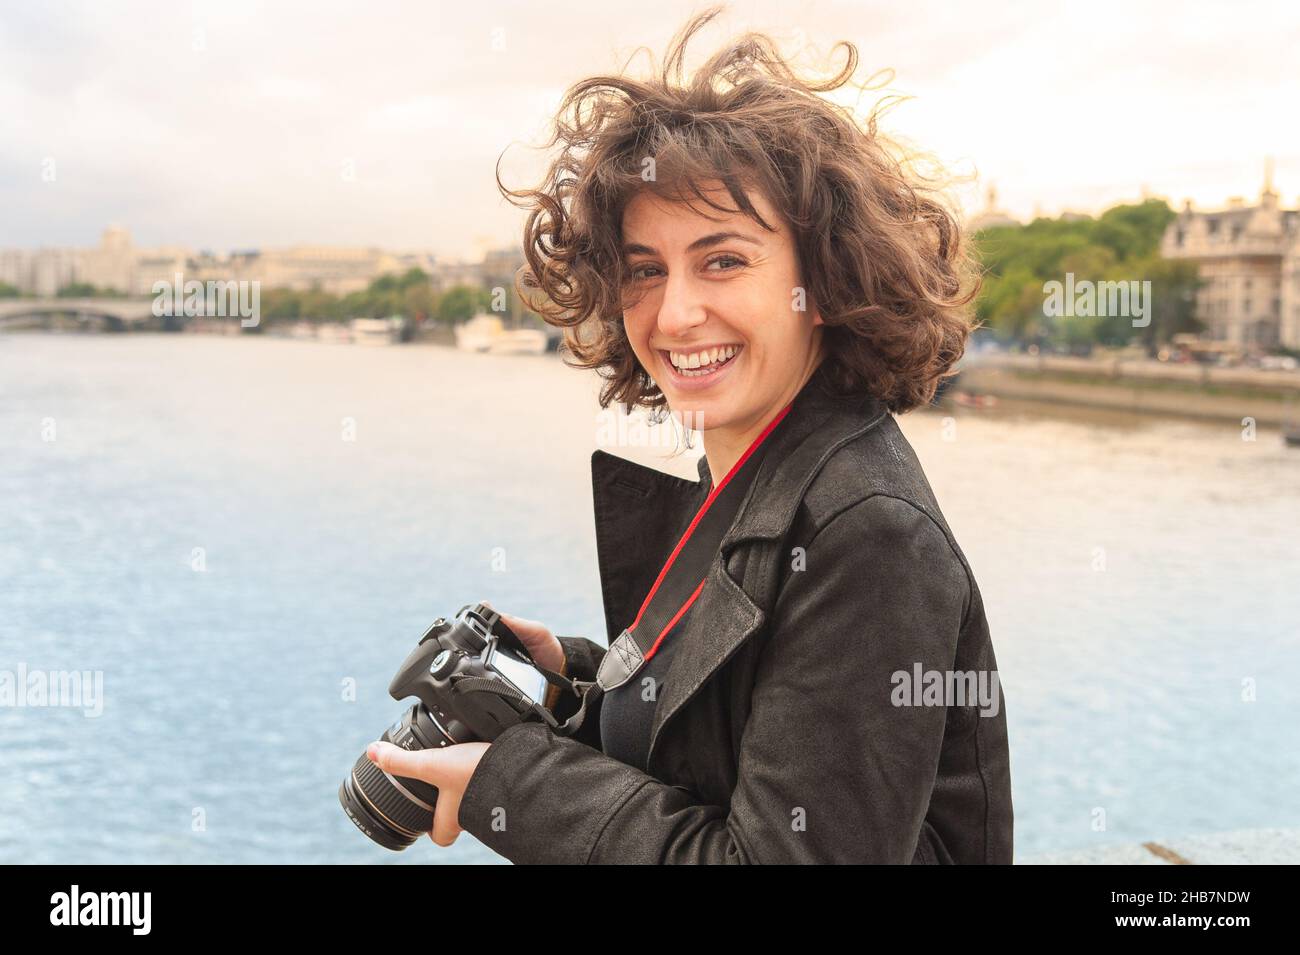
[333, 332]
[519, 341]
[478, 333]
[373, 331]
[487, 333]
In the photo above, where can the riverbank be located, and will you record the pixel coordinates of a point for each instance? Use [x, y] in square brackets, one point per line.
[1147, 387]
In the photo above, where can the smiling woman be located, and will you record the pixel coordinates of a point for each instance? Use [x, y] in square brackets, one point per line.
[824, 206]
[738, 249]
[713, 316]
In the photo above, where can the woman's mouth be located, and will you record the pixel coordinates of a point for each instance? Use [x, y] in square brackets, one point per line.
[700, 368]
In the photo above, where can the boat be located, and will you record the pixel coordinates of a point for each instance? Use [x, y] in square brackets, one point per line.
[478, 333]
[374, 331]
[333, 332]
[519, 341]
[487, 333]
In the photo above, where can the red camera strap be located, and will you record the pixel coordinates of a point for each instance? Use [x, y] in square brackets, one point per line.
[684, 573]
[679, 582]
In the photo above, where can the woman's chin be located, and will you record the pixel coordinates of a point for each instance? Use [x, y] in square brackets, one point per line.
[701, 403]
[701, 414]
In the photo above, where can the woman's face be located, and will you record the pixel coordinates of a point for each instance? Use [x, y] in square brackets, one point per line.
[715, 311]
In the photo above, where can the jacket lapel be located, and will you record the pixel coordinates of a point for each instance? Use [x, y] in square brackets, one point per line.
[642, 512]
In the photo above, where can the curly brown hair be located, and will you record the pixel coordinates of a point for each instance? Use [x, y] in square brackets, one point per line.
[883, 260]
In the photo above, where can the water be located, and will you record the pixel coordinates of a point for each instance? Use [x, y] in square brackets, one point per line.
[238, 531]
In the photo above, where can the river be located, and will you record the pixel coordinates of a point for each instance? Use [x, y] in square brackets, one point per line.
[246, 535]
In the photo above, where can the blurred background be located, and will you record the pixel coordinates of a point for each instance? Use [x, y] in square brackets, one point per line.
[269, 404]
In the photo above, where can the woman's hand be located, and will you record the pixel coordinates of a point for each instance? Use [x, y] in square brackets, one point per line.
[449, 769]
[539, 640]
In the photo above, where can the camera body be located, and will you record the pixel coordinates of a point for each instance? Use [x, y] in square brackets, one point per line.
[475, 645]
[474, 679]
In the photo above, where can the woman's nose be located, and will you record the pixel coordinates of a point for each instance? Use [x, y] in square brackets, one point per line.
[682, 307]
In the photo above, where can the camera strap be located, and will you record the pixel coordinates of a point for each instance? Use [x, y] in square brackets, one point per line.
[679, 582]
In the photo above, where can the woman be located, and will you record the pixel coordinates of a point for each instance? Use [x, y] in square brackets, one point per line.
[740, 251]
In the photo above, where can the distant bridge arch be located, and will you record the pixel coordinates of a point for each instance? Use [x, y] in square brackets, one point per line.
[115, 313]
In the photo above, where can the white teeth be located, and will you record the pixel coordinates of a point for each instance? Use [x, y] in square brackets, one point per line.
[702, 359]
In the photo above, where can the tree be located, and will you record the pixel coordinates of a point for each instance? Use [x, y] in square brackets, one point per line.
[1174, 284]
[1122, 245]
[460, 303]
[76, 290]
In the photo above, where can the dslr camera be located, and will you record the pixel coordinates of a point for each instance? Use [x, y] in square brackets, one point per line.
[473, 679]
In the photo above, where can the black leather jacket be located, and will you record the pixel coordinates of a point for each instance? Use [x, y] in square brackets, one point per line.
[779, 736]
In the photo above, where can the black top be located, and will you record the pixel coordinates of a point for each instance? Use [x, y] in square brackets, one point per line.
[627, 711]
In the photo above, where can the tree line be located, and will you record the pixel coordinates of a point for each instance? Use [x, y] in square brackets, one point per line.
[410, 295]
[1122, 245]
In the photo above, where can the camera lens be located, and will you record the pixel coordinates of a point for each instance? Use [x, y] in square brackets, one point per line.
[394, 811]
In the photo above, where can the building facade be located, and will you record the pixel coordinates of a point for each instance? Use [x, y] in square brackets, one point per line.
[1248, 258]
[116, 265]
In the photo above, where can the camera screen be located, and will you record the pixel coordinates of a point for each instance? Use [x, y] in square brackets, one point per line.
[524, 677]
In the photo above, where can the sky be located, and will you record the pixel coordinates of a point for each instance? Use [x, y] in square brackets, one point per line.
[238, 125]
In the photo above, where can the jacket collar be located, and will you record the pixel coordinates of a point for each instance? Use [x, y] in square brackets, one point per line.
[641, 511]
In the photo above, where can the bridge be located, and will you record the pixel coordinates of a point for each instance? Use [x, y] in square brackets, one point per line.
[114, 314]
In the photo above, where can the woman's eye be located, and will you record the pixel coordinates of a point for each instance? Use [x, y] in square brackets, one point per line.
[739, 263]
[729, 262]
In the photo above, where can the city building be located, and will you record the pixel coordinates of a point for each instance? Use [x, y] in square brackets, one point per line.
[1249, 260]
[449, 274]
[335, 269]
[117, 265]
[111, 265]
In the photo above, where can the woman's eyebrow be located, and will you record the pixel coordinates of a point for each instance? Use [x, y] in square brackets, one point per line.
[703, 242]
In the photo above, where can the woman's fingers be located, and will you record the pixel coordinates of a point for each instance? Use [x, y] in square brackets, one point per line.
[423, 764]
[529, 631]
[433, 767]
[536, 636]
[510, 619]
[449, 770]
[462, 760]
[446, 825]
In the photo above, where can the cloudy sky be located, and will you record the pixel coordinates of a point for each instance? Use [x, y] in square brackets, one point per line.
[243, 125]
